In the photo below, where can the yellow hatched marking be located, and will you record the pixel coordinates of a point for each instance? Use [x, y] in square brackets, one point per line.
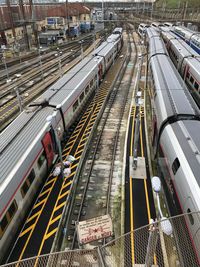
[33, 216]
[40, 203]
[50, 181]
[75, 165]
[83, 139]
[67, 184]
[51, 233]
[64, 194]
[45, 192]
[60, 206]
[70, 175]
[131, 199]
[70, 142]
[81, 145]
[55, 219]
[79, 151]
[27, 230]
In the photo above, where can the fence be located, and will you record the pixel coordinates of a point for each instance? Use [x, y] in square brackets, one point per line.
[146, 246]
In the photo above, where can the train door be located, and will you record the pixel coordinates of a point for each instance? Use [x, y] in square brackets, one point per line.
[48, 148]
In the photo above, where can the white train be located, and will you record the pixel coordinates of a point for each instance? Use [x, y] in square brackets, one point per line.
[142, 29]
[190, 37]
[27, 146]
[186, 60]
[176, 138]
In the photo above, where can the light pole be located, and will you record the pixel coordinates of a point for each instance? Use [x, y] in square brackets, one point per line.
[40, 59]
[6, 68]
[19, 98]
[59, 62]
[51, 119]
[81, 43]
[165, 224]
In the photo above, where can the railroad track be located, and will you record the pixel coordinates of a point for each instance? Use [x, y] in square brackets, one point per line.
[34, 54]
[9, 106]
[39, 231]
[99, 183]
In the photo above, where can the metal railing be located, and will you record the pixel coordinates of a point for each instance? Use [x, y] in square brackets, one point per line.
[145, 246]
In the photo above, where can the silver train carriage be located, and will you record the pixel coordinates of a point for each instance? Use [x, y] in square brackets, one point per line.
[176, 139]
[186, 61]
[28, 146]
[189, 36]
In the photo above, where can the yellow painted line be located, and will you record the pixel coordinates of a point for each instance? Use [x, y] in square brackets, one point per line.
[79, 151]
[70, 142]
[59, 206]
[83, 139]
[50, 181]
[27, 230]
[145, 183]
[51, 233]
[82, 145]
[75, 165]
[67, 184]
[38, 204]
[64, 194]
[131, 198]
[33, 216]
[70, 175]
[45, 192]
[132, 225]
[55, 219]
[30, 234]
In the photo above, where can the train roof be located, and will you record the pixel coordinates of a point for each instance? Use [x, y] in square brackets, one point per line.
[117, 30]
[189, 138]
[16, 139]
[184, 49]
[171, 90]
[113, 38]
[65, 90]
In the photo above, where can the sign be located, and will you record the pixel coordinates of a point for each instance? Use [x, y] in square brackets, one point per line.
[94, 229]
[51, 21]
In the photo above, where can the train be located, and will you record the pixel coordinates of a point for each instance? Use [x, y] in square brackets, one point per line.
[175, 136]
[190, 37]
[142, 29]
[186, 61]
[29, 147]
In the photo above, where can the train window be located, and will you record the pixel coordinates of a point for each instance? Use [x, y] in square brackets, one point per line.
[31, 176]
[87, 89]
[175, 165]
[27, 183]
[24, 189]
[8, 217]
[3, 225]
[82, 97]
[75, 105]
[191, 218]
[191, 79]
[91, 83]
[41, 160]
[196, 86]
[13, 208]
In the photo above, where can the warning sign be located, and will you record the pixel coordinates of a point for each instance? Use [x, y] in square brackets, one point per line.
[94, 229]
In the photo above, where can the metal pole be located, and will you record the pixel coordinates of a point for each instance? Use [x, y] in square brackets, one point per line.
[102, 10]
[19, 99]
[136, 138]
[59, 151]
[41, 68]
[60, 67]
[6, 68]
[152, 242]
